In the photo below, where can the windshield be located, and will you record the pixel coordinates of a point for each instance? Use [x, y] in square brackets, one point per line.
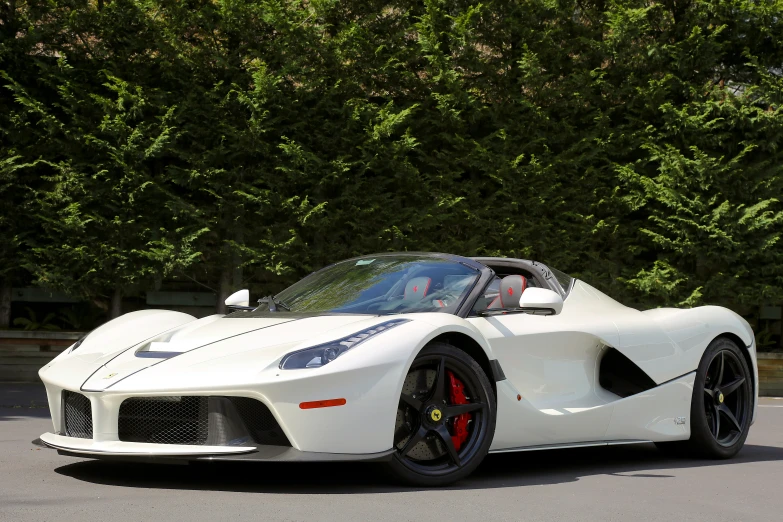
[384, 284]
[562, 278]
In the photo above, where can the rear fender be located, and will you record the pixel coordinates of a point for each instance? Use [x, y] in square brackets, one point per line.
[692, 330]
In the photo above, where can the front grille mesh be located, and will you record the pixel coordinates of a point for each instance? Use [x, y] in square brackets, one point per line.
[77, 414]
[195, 420]
[164, 420]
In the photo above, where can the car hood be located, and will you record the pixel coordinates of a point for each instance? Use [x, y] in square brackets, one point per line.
[98, 366]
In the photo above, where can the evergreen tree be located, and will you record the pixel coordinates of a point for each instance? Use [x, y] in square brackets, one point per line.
[633, 144]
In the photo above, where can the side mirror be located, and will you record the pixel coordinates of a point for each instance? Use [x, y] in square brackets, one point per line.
[541, 299]
[239, 299]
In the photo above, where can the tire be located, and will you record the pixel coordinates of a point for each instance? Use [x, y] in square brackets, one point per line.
[723, 389]
[432, 450]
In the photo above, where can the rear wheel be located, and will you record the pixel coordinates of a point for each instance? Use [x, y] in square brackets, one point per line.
[722, 404]
[445, 418]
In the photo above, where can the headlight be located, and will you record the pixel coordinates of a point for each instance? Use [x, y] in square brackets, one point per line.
[317, 356]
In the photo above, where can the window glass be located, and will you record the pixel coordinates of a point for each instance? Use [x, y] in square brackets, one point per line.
[393, 284]
[490, 293]
[562, 278]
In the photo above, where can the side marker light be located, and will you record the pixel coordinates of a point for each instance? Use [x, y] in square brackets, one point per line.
[321, 404]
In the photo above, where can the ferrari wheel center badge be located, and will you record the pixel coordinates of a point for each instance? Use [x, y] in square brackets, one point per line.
[435, 414]
[720, 398]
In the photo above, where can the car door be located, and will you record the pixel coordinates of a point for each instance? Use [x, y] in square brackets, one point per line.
[551, 394]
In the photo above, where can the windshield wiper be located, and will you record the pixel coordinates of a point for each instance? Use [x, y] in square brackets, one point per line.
[274, 304]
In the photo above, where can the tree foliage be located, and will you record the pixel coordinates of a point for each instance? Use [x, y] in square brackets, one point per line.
[634, 144]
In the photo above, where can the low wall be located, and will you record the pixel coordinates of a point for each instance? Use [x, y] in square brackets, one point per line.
[770, 374]
[23, 353]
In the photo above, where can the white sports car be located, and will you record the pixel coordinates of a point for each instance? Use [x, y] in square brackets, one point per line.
[425, 362]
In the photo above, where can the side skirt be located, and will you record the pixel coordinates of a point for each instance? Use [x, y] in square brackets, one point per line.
[568, 445]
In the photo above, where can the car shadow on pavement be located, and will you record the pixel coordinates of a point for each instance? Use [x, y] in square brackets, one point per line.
[497, 471]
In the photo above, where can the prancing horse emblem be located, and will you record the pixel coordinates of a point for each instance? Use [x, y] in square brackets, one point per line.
[435, 415]
[110, 376]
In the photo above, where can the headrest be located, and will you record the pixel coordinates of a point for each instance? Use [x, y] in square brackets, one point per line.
[416, 288]
[511, 288]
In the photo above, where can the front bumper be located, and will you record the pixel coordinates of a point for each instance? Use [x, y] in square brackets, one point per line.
[366, 381]
[362, 427]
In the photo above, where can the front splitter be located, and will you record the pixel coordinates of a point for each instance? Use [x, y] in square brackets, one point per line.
[261, 453]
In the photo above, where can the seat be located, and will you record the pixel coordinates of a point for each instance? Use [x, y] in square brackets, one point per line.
[511, 288]
[416, 289]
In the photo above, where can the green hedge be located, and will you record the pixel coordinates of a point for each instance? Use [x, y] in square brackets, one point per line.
[636, 145]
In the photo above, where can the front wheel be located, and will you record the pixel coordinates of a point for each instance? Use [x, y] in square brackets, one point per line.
[445, 418]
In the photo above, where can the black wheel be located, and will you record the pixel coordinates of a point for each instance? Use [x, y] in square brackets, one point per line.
[722, 403]
[445, 419]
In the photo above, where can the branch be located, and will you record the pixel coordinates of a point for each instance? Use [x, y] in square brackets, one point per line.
[198, 282]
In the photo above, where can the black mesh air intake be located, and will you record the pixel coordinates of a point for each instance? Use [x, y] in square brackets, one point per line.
[210, 421]
[164, 420]
[77, 415]
[259, 422]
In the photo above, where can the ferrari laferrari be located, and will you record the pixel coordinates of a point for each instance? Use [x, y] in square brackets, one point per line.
[423, 362]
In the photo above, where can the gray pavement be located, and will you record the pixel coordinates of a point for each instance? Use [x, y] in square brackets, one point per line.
[618, 483]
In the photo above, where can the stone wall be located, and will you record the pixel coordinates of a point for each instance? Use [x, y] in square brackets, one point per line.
[770, 374]
[22, 354]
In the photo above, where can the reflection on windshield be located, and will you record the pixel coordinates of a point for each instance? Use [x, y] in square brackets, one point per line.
[383, 285]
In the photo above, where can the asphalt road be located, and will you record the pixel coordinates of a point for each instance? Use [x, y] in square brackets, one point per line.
[615, 483]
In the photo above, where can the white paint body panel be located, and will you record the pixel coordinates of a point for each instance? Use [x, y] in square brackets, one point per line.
[551, 362]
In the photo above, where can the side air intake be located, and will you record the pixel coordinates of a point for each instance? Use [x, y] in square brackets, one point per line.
[619, 375]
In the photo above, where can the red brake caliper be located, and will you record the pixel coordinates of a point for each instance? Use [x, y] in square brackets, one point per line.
[460, 423]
